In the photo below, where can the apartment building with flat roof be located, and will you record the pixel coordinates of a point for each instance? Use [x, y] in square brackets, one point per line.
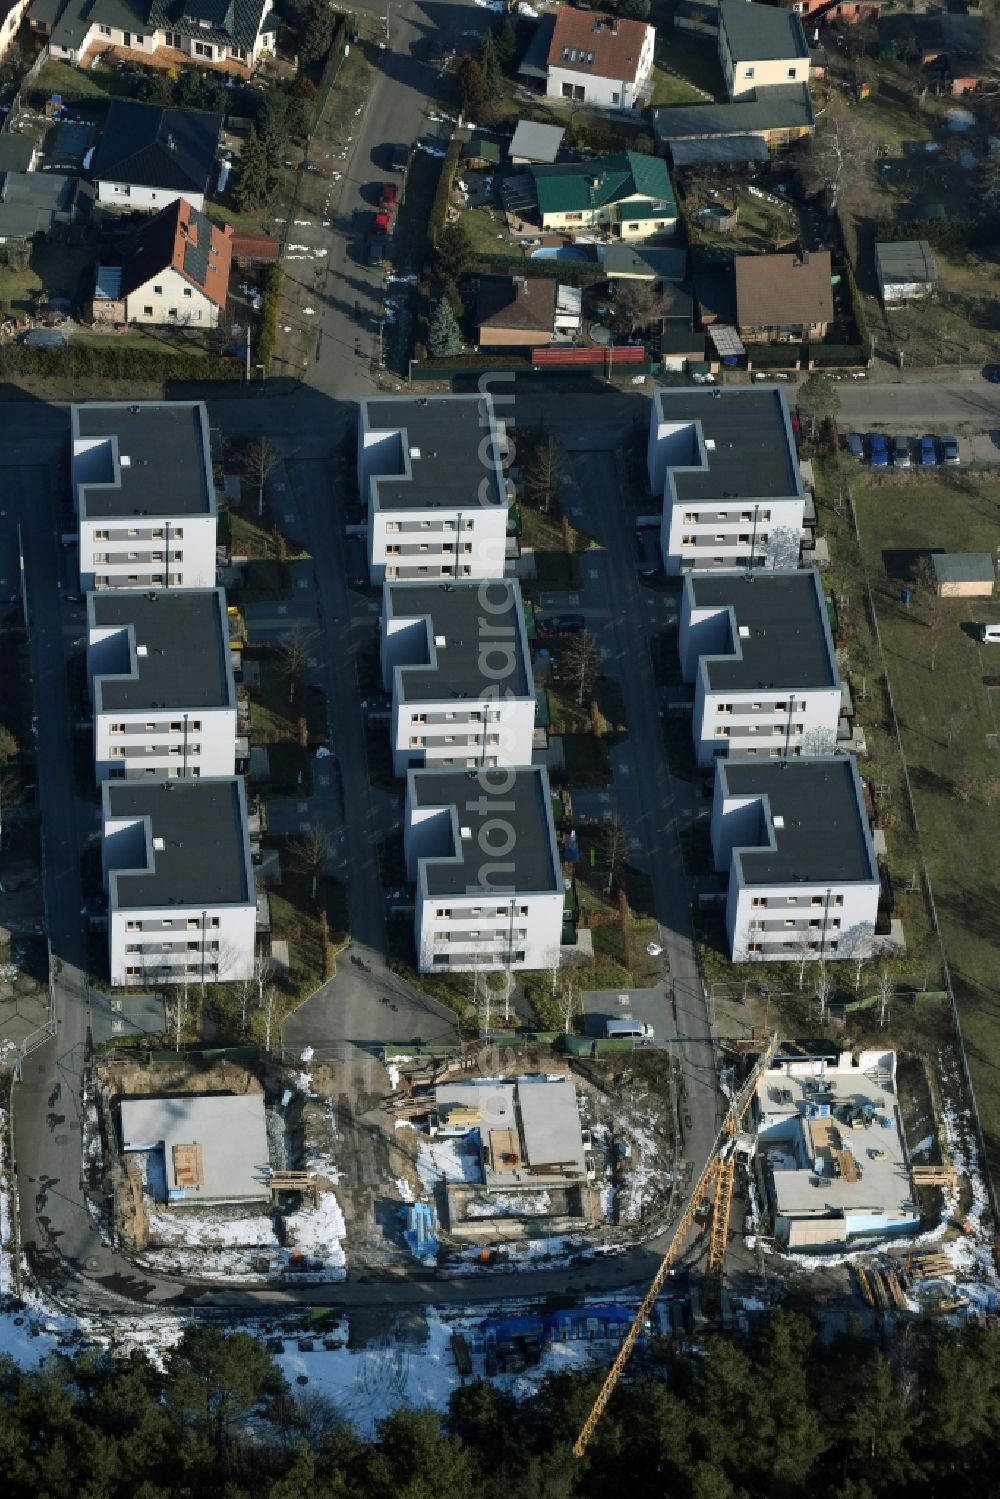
[161, 682]
[481, 848]
[758, 648]
[182, 904]
[455, 658]
[145, 494]
[794, 838]
[725, 463]
[430, 475]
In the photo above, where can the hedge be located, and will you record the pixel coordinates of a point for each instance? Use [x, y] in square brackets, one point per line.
[438, 215]
[857, 305]
[115, 361]
[273, 279]
[838, 354]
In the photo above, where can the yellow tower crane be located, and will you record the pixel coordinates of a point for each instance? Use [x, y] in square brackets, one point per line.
[715, 1181]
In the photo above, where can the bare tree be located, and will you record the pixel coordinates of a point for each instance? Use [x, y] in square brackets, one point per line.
[177, 1007]
[582, 660]
[885, 988]
[614, 849]
[637, 304]
[804, 954]
[570, 1004]
[269, 1009]
[310, 852]
[259, 463]
[293, 658]
[838, 154]
[544, 471]
[825, 988]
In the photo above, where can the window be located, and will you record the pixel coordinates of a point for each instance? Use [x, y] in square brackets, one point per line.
[759, 900]
[442, 911]
[100, 535]
[133, 926]
[157, 290]
[132, 969]
[392, 525]
[147, 311]
[687, 541]
[201, 49]
[214, 922]
[749, 72]
[104, 30]
[725, 708]
[188, 292]
[791, 72]
[415, 741]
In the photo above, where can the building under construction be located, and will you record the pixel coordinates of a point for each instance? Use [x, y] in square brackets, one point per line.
[831, 1145]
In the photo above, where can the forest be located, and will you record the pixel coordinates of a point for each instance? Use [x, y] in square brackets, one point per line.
[777, 1412]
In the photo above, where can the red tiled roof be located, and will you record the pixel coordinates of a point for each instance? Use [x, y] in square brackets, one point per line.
[613, 42]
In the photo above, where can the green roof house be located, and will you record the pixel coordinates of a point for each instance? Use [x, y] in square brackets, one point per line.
[629, 196]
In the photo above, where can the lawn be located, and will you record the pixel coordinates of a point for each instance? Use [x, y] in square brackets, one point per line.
[251, 536]
[946, 712]
[274, 714]
[52, 271]
[76, 83]
[669, 89]
[695, 59]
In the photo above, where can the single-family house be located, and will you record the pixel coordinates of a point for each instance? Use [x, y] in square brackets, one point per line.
[147, 155]
[515, 311]
[760, 46]
[598, 59]
[629, 196]
[175, 273]
[33, 203]
[783, 297]
[232, 34]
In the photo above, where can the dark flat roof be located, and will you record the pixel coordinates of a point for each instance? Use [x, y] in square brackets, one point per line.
[753, 456]
[169, 468]
[187, 660]
[443, 459]
[205, 858]
[518, 799]
[787, 643]
[459, 635]
[824, 832]
[761, 33]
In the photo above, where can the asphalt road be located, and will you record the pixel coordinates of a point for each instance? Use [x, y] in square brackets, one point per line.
[920, 404]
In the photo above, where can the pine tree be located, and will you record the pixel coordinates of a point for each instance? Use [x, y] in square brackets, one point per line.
[505, 42]
[443, 336]
[489, 62]
[454, 254]
[254, 186]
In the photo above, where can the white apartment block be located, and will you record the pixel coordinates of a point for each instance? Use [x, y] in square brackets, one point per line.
[726, 465]
[455, 658]
[145, 495]
[793, 836]
[481, 847]
[430, 474]
[161, 682]
[181, 896]
[758, 648]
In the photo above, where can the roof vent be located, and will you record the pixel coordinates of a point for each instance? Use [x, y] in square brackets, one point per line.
[440, 640]
[159, 844]
[466, 834]
[142, 650]
[125, 461]
[414, 452]
[710, 444]
[779, 821]
[744, 632]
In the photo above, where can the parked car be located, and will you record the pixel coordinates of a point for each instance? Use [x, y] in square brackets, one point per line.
[399, 158]
[854, 445]
[949, 450]
[376, 249]
[992, 373]
[388, 195]
[928, 450]
[901, 452]
[382, 224]
[561, 624]
[878, 451]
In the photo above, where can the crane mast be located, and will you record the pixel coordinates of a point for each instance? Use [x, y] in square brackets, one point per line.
[716, 1180]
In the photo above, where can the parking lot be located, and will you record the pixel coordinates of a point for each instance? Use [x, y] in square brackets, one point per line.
[975, 449]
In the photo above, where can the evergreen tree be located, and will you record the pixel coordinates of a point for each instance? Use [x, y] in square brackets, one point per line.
[638, 10]
[443, 336]
[453, 254]
[316, 33]
[505, 42]
[492, 72]
[253, 187]
[471, 85]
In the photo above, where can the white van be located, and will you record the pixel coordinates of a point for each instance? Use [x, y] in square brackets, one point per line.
[989, 634]
[638, 1030]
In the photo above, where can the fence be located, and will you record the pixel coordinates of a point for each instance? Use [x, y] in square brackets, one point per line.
[571, 358]
[931, 903]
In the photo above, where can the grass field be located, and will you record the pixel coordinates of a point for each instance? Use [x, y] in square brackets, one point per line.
[936, 671]
[669, 89]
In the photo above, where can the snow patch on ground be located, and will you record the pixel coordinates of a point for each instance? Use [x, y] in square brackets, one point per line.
[454, 1159]
[509, 1205]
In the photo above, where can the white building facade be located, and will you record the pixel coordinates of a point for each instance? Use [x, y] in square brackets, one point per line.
[177, 869]
[455, 659]
[161, 682]
[145, 495]
[430, 475]
[759, 651]
[793, 836]
[726, 465]
[600, 60]
[481, 850]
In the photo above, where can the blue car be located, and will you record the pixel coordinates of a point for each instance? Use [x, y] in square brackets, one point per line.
[878, 450]
[992, 373]
[928, 451]
[854, 445]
